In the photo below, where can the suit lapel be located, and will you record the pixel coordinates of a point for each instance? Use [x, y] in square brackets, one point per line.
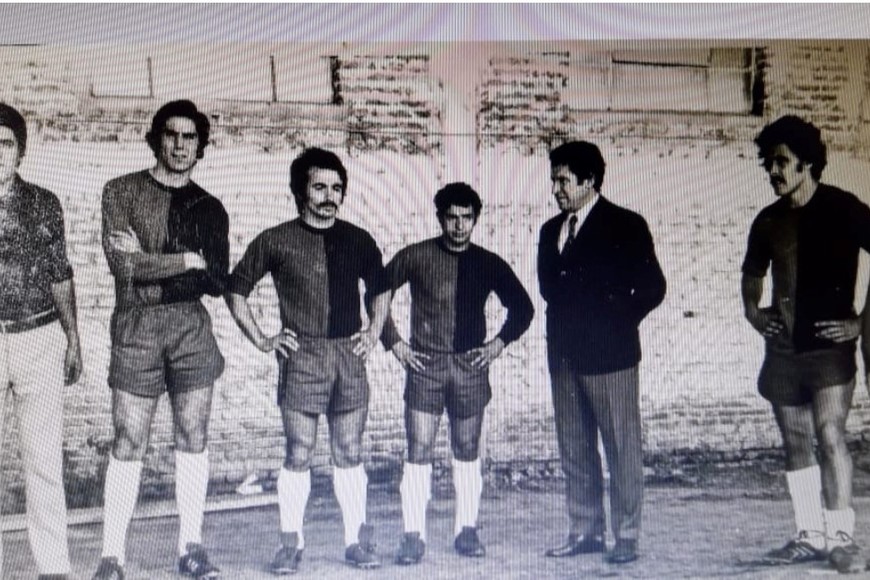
[588, 230]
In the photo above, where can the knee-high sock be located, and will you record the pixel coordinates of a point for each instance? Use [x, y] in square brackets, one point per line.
[416, 490]
[294, 487]
[191, 485]
[805, 488]
[120, 495]
[351, 488]
[839, 521]
[468, 483]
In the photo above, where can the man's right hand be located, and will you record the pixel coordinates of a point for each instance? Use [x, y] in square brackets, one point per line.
[766, 321]
[284, 342]
[408, 357]
[193, 261]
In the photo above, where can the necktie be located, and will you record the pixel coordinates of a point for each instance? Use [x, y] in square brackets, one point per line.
[572, 230]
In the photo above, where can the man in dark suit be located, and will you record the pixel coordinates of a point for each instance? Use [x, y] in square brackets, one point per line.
[599, 275]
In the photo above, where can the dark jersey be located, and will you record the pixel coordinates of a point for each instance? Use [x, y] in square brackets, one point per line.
[813, 253]
[316, 272]
[167, 221]
[32, 250]
[448, 296]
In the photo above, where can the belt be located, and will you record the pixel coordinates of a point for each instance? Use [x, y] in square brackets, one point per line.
[28, 323]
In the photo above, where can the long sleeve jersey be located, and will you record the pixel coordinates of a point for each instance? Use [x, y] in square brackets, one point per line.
[448, 296]
[168, 222]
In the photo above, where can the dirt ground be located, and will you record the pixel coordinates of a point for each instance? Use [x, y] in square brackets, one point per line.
[712, 525]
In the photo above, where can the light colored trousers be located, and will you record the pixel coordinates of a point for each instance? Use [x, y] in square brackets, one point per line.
[31, 375]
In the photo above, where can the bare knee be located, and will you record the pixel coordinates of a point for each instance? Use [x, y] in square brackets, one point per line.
[128, 446]
[346, 453]
[190, 441]
[420, 452]
[799, 448]
[832, 439]
[465, 450]
[299, 455]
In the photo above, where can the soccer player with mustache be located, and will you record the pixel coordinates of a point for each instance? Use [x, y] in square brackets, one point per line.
[809, 239]
[316, 262]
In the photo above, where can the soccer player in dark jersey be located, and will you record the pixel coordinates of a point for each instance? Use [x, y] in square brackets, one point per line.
[316, 262]
[809, 239]
[39, 342]
[448, 359]
[166, 241]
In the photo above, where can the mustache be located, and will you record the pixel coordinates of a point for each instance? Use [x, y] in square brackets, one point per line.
[326, 204]
[777, 180]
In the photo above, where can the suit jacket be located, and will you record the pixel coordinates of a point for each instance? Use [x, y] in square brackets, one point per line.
[601, 289]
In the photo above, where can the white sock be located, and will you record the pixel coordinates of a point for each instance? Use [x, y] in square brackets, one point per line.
[839, 521]
[294, 487]
[416, 491]
[468, 483]
[120, 495]
[351, 487]
[805, 488]
[191, 485]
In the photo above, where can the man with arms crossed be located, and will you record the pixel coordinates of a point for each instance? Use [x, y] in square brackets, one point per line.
[166, 241]
[599, 275]
[810, 239]
[37, 356]
[316, 262]
[448, 360]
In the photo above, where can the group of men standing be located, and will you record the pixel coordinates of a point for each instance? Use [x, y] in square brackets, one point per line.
[166, 242]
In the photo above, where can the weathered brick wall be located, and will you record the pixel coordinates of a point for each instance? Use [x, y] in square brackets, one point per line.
[526, 97]
[821, 81]
[391, 102]
[862, 144]
[694, 177]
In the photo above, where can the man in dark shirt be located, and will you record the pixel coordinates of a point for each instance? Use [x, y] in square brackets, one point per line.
[810, 239]
[317, 262]
[37, 355]
[166, 242]
[448, 359]
[600, 277]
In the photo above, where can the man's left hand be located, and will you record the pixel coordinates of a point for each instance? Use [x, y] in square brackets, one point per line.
[72, 365]
[365, 343]
[125, 241]
[484, 355]
[839, 330]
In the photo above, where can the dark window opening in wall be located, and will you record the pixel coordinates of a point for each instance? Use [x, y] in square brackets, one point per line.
[714, 80]
[223, 73]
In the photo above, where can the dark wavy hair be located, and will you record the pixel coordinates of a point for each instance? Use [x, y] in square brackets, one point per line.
[10, 117]
[184, 109]
[313, 157]
[583, 160]
[458, 194]
[802, 137]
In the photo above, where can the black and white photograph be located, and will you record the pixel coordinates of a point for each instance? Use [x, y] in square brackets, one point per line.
[455, 290]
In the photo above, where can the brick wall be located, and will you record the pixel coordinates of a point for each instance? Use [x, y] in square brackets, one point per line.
[694, 177]
[823, 82]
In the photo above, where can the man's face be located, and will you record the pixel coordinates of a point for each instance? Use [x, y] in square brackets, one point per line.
[787, 173]
[9, 157]
[457, 223]
[179, 142]
[324, 193]
[570, 194]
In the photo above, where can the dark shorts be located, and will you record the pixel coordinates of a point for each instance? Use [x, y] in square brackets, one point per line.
[790, 378]
[322, 376]
[449, 381]
[163, 348]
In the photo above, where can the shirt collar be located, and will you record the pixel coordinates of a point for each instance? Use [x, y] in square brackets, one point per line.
[584, 211]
